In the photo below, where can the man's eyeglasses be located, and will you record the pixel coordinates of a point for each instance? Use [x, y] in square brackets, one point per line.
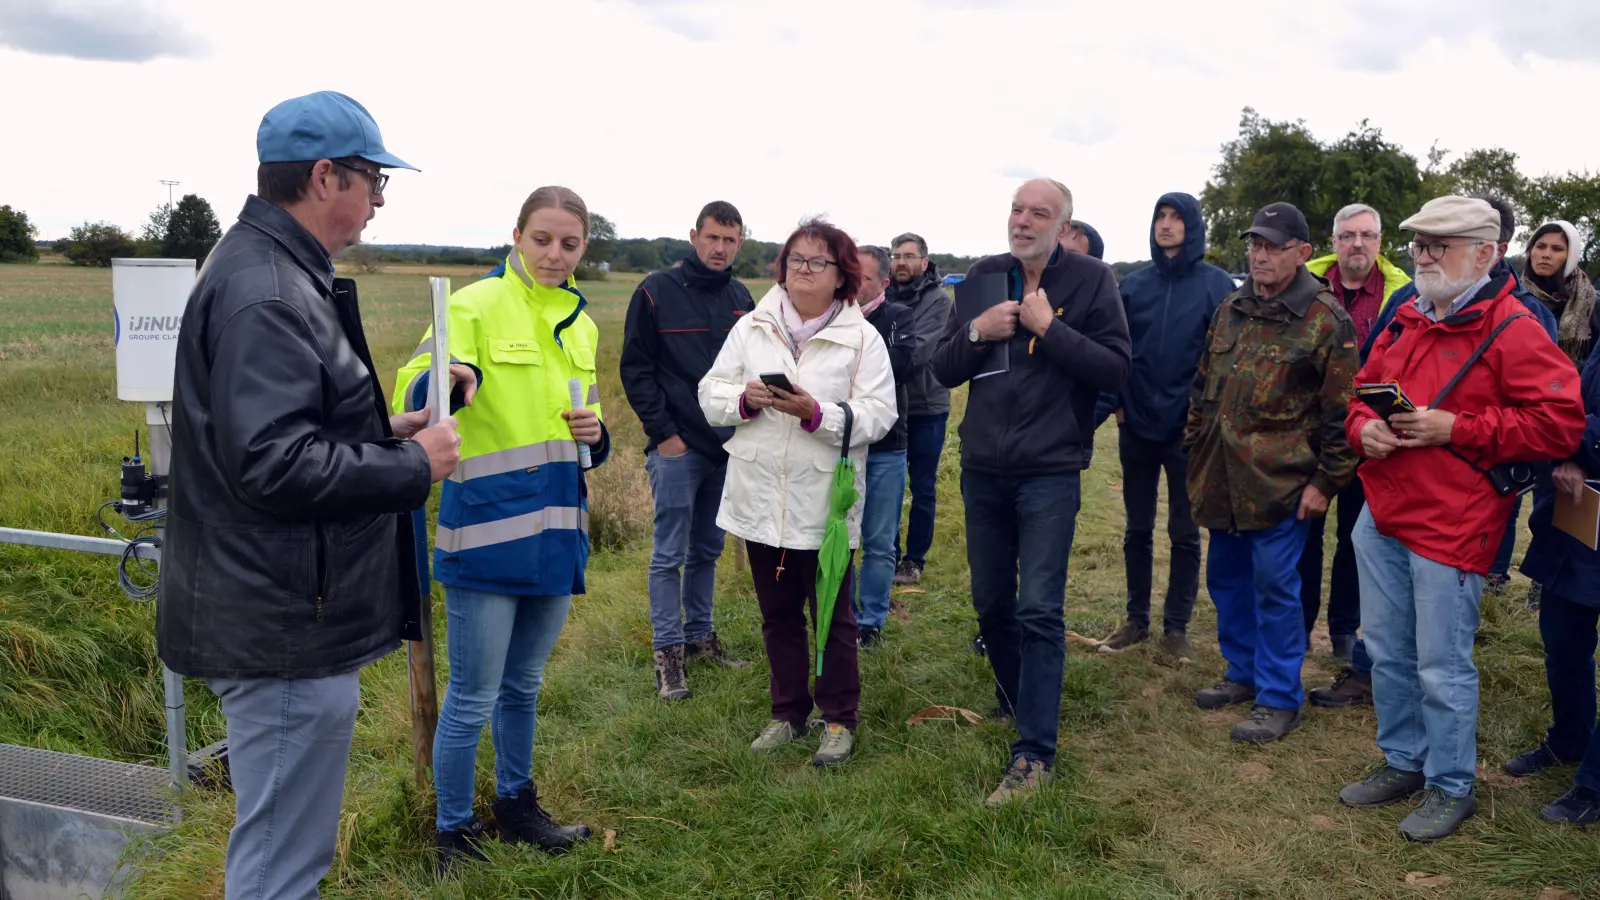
[905, 257]
[1435, 250]
[1350, 237]
[375, 179]
[1262, 245]
[814, 266]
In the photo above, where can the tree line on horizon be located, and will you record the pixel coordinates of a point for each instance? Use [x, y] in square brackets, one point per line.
[1268, 161]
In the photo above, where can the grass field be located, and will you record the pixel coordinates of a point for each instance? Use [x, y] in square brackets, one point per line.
[1151, 801]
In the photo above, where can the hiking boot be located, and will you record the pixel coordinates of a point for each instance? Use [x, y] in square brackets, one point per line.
[523, 821]
[672, 684]
[1126, 635]
[977, 646]
[1437, 816]
[1265, 725]
[1344, 646]
[1223, 693]
[1175, 644]
[907, 572]
[837, 742]
[1579, 806]
[1349, 688]
[711, 648]
[1024, 777]
[1534, 761]
[868, 636]
[1384, 786]
[461, 846]
[775, 735]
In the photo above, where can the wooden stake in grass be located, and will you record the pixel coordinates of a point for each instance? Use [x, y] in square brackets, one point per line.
[419, 654]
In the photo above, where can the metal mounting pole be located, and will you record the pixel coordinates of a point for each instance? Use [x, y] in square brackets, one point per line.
[157, 419]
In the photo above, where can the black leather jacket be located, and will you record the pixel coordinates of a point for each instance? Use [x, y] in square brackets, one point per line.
[289, 548]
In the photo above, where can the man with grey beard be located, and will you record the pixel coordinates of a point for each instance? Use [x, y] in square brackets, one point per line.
[1489, 388]
[1027, 434]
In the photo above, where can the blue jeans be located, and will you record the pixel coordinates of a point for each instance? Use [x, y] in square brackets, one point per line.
[1508, 542]
[1023, 526]
[288, 748]
[1420, 618]
[880, 525]
[1254, 580]
[925, 443]
[1569, 635]
[498, 647]
[683, 563]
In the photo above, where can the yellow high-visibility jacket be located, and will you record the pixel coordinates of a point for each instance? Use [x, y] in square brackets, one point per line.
[514, 517]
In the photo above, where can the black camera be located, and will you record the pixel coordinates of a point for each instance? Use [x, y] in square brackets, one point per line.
[1509, 478]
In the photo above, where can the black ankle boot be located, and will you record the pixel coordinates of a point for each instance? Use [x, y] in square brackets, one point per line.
[523, 820]
[461, 845]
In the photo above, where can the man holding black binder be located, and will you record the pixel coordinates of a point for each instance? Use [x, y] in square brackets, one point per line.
[1039, 332]
[1488, 389]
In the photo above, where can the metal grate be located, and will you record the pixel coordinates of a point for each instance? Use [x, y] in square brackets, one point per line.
[87, 784]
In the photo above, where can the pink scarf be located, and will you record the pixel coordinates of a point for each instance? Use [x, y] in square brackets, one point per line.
[801, 331]
[873, 305]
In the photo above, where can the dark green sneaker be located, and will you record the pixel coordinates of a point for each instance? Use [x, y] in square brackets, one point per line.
[1437, 816]
[1385, 785]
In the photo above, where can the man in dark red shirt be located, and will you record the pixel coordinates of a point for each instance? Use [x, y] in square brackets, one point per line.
[1363, 280]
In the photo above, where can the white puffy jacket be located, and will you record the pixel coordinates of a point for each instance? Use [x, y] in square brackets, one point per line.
[779, 475]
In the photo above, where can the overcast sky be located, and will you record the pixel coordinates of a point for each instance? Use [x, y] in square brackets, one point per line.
[887, 115]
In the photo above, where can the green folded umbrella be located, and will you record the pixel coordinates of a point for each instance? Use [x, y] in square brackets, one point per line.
[833, 558]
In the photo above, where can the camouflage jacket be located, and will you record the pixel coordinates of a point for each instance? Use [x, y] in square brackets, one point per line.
[1267, 409]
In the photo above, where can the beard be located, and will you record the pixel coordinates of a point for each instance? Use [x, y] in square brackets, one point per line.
[1043, 245]
[1436, 287]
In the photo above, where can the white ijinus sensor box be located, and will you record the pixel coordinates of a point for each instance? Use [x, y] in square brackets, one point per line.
[147, 298]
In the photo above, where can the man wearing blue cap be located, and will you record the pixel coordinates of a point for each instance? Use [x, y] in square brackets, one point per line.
[290, 561]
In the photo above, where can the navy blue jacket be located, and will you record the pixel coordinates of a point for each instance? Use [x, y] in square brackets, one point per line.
[1556, 560]
[1408, 294]
[1169, 306]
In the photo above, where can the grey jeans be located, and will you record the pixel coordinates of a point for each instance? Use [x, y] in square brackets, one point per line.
[288, 747]
[683, 564]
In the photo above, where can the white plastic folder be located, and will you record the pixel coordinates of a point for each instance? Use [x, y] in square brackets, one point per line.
[1580, 518]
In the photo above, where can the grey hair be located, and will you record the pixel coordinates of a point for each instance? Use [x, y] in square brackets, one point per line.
[880, 256]
[1353, 210]
[1066, 203]
[922, 245]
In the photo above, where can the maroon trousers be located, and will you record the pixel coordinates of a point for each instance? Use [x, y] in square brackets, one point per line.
[783, 598]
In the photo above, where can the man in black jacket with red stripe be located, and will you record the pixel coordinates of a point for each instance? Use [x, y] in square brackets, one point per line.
[677, 321]
[1027, 434]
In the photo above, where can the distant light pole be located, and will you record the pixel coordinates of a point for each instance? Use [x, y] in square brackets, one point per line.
[170, 185]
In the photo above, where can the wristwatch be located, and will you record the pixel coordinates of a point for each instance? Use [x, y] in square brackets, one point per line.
[972, 334]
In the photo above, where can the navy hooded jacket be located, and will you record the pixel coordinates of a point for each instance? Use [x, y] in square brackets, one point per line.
[1169, 306]
[1557, 561]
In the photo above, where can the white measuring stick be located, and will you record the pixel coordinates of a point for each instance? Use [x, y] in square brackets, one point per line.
[439, 383]
[575, 391]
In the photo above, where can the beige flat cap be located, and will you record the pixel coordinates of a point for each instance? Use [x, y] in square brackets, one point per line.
[1453, 216]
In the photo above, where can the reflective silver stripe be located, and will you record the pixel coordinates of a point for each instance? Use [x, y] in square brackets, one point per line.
[411, 391]
[594, 394]
[425, 347]
[471, 537]
[524, 457]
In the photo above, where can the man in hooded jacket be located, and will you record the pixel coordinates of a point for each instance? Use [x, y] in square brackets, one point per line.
[1169, 305]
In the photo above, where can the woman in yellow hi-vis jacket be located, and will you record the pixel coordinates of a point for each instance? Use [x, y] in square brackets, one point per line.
[512, 541]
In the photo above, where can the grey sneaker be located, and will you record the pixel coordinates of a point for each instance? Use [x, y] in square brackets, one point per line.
[1126, 636]
[672, 684]
[711, 648]
[1175, 644]
[1384, 786]
[1265, 725]
[775, 735]
[907, 573]
[837, 742]
[1026, 776]
[1437, 816]
[1224, 693]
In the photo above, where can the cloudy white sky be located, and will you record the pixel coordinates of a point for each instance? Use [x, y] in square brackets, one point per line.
[887, 115]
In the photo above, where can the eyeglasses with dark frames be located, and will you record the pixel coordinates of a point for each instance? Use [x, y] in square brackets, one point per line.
[815, 266]
[376, 180]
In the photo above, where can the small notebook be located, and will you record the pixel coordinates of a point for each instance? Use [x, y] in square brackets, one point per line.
[1385, 398]
[974, 297]
[1580, 518]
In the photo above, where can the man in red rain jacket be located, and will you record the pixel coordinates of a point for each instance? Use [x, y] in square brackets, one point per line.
[1434, 519]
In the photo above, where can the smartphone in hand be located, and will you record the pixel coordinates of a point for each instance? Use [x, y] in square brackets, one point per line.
[777, 380]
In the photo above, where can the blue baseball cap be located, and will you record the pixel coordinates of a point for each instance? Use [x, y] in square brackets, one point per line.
[324, 125]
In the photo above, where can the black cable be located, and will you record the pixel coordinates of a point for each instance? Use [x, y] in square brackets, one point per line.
[147, 569]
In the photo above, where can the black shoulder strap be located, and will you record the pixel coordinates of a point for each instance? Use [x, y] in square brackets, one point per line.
[1475, 355]
[849, 423]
